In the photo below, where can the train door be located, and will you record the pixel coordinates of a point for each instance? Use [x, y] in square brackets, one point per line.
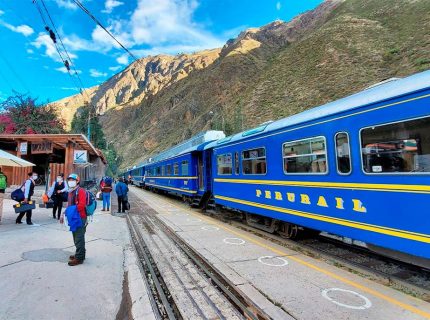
[208, 170]
[200, 170]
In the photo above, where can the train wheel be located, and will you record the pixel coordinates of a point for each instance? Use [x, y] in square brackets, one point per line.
[288, 231]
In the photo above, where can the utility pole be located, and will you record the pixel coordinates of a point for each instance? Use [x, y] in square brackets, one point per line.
[89, 123]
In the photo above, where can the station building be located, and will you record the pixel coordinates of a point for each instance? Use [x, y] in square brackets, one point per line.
[53, 154]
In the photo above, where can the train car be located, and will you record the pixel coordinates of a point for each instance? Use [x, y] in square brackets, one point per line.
[358, 167]
[180, 170]
[137, 174]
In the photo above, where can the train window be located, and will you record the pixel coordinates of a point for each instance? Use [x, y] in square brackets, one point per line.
[254, 161]
[184, 168]
[163, 170]
[236, 162]
[397, 147]
[343, 153]
[305, 156]
[169, 169]
[158, 171]
[175, 169]
[224, 164]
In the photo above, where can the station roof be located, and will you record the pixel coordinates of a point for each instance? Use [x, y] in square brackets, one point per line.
[376, 93]
[59, 140]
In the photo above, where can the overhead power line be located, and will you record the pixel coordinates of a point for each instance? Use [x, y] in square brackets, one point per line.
[80, 5]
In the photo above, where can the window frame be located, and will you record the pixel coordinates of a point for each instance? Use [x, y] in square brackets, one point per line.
[224, 174]
[349, 150]
[188, 168]
[387, 173]
[177, 166]
[169, 166]
[242, 159]
[307, 155]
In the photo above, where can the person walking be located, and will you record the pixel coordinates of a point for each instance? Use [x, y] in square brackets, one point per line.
[28, 193]
[3, 186]
[57, 193]
[121, 190]
[78, 197]
[106, 189]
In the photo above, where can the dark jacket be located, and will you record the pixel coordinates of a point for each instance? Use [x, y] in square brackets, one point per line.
[121, 189]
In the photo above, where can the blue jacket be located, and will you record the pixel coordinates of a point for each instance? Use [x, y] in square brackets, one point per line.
[73, 218]
[121, 189]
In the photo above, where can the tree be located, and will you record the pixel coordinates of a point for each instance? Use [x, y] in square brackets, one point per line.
[80, 125]
[20, 114]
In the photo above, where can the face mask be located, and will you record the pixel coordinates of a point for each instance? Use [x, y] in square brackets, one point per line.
[34, 177]
[71, 183]
[59, 179]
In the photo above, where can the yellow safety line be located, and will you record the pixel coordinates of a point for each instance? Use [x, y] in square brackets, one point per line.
[319, 269]
[337, 185]
[358, 225]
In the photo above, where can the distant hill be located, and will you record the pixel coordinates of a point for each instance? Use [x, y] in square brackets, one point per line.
[264, 74]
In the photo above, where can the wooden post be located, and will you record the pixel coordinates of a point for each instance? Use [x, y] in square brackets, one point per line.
[68, 165]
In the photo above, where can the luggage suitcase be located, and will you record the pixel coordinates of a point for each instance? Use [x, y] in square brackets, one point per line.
[22, 207]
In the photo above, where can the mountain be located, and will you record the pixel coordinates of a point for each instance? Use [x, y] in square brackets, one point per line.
[264, 74]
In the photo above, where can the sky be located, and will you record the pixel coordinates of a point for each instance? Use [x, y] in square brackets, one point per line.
[30, 63]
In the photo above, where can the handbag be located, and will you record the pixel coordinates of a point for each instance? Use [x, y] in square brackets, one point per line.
[18, 194]
[127, 206]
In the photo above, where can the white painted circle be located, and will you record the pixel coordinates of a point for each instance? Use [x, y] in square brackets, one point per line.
[235, 241]
[367, 304]
[210, 228]
[282, 263]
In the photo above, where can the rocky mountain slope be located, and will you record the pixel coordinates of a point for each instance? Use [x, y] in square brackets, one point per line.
[264, 74]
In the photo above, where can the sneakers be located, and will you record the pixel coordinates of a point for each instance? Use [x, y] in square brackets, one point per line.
[74, 262]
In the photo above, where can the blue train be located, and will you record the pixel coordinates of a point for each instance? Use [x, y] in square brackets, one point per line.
[358, 168]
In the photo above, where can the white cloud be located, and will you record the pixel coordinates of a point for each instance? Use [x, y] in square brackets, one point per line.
[64, 70]
[111, 4]
[69, 88]
[97, 74]
[23, 29]
[66, 4]
[116, 68]
[278, 5]
[123, 59]
[44, 41]
[157, 22]
[30, 51]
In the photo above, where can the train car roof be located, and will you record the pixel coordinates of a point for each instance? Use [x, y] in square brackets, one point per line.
[373, 94]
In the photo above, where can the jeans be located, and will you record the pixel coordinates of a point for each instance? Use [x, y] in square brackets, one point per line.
[79, 240]
[106, 200]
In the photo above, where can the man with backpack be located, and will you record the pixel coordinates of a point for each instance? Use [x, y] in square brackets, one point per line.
[78, 198]
[106, 189]
[3, 186]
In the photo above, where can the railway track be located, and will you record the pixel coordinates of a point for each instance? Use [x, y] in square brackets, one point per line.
[183, 284]
[402, 276]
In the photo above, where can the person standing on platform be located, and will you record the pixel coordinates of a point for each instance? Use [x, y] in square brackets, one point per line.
[78, 197]
[121, 190]
[28, 193]
[106, 189]
[57, 194]
[3, 186]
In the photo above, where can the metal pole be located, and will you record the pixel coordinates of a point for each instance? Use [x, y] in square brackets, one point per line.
[89, 123]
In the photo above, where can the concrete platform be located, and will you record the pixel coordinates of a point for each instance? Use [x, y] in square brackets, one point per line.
[304, 287]
[37, 283]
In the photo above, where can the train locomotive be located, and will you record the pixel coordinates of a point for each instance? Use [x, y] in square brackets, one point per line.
[358, 167]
